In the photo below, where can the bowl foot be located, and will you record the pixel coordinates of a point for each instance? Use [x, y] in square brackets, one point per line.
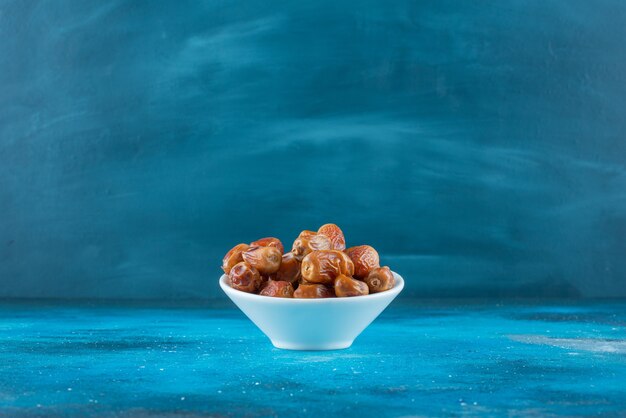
[284, 345]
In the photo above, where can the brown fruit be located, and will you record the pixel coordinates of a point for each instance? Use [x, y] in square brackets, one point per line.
[347, 264]
[277, 289]
[312, 291]
[325, 265]
[244, 277]
[265, 259]
[365, 258]
[233, 257]
[346, 286]
[265, 278]
[289, 269]
[309, 241]
[335, 234]
[380, 279]
[269, 242]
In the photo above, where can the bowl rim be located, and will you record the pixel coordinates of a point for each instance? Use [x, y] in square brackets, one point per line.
[391, 293]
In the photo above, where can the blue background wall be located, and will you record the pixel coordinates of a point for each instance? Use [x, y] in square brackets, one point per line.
[480, 146]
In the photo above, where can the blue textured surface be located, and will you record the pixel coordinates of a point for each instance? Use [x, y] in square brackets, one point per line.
[543, 359]
[478, 145]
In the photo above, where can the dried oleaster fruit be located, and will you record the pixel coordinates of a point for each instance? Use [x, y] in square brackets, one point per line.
[365, 259]
[289, 269]
[346, 286]
[380, 279]
[265, 259]
[309, 241]
[244, 277]
[312, 291]
[347, 266]
[269, 242]
[277, 289]
[325, 265]
[318, 266]
[233, 257]
[335, 234]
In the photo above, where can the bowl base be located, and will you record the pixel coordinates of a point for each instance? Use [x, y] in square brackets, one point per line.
[284, 345]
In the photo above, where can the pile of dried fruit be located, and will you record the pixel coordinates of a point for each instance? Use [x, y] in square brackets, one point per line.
[318, 266]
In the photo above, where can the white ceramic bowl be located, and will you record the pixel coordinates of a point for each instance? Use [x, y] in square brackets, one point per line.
[312, 324]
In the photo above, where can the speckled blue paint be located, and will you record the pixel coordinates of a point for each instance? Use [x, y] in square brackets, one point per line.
[561, 359]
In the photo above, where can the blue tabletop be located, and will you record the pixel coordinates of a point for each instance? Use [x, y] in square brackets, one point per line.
[418, 358]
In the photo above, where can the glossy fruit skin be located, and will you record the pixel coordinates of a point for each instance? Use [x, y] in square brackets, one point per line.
[309, 241]
[324, 266]
[277, 289]
[244, 277]
[380, 279]
[233, 257]
[312, 291]
[269, 242]
[335, 234]
[346, 287]
[265, 259]
[289, 269]
[365, 259]
[347, 266]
